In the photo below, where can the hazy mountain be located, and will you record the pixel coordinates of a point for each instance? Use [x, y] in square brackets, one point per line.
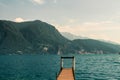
[40, 37]
[72, 36]
[86, 45]
[108, 41]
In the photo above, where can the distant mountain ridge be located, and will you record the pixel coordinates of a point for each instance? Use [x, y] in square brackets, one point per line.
[72, 36]
[37, 37]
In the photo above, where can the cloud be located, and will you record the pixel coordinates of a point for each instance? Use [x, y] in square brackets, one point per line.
[71, 20]
[40, 2]
[55, 1]
[97, 23]
[96, 30]
[19, 19]
[3, 5]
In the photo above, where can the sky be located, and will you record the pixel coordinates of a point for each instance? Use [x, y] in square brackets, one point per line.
[97, 19]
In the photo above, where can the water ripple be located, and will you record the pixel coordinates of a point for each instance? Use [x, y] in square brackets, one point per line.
[45, 67]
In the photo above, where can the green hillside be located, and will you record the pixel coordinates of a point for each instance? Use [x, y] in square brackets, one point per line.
[92, 46]
[29, 37]
[37, 37]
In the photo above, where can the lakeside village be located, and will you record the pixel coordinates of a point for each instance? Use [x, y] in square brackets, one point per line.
[82, 51]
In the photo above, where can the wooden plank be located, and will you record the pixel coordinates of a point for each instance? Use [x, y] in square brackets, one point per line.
[66, 74]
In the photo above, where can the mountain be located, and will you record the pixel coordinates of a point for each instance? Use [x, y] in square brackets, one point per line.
[11, 39]
[72, 36]
[108, 41]
[35, 37]
[32, 36]
[92, 46]
[86, 45]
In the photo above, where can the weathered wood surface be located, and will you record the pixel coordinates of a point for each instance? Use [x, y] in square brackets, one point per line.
[66, 74]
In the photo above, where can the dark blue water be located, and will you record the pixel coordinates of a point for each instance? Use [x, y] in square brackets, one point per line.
[45, 67]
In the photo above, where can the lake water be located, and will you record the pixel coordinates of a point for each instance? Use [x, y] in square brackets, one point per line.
[45, 67]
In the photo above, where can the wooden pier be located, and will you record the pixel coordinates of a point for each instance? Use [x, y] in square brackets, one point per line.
[66, 73]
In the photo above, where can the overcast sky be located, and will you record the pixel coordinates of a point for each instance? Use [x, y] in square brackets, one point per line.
[98, 19]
